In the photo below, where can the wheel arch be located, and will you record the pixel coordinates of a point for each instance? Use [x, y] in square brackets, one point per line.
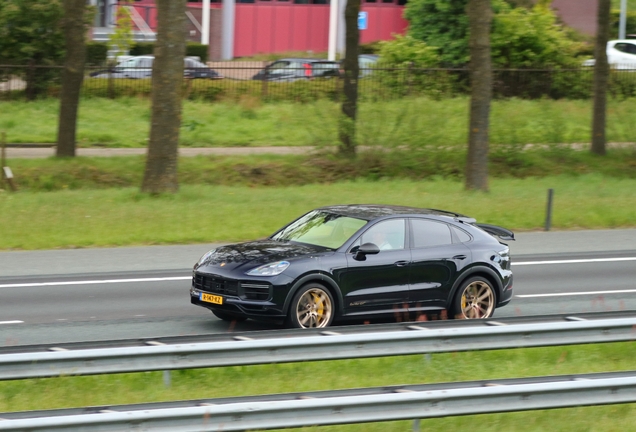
[321, 278]
[485, 272]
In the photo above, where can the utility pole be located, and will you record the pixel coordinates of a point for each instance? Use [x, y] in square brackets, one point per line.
[205, 23]
[623, 20]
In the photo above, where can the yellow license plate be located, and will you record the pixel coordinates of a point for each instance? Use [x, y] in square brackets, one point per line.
[209, 298]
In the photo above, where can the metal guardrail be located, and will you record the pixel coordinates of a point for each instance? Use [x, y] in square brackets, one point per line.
[323, 345]
[340, 407]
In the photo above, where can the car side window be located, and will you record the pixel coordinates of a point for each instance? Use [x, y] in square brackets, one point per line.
[428, 233]
[462, 235]
[626, 48]
[387, 235]
[325, 69]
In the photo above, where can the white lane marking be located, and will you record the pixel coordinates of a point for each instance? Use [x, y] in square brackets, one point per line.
[89, 282]
[11, 322]
[577, 293]
[180, 278]
[574, 261]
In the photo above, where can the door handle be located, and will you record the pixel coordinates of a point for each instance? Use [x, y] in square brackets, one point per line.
[459, 257]
[401, 263]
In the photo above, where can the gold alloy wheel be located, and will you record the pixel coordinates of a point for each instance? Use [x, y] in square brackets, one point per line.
[314, 309]
[478, 300]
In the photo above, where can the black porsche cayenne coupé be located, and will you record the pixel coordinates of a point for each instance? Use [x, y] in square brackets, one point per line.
[359, 262]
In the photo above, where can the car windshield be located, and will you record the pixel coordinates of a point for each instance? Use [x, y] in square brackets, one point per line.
[321, 228]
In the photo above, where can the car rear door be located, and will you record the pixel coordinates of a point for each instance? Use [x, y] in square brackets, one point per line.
[437, 255]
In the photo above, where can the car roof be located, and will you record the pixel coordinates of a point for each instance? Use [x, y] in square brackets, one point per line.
[375, 211]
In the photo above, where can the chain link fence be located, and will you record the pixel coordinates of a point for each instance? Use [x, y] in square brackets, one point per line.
[237, 80]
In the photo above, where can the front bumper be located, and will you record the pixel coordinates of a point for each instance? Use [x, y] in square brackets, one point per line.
[262, 298]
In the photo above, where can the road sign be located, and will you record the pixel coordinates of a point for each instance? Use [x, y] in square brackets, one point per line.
[363, 20]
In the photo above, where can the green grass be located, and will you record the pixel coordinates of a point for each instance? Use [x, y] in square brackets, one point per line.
[414, 123]
[200, 213]
[313, 376]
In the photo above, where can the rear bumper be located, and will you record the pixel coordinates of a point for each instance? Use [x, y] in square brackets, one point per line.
[506, 294]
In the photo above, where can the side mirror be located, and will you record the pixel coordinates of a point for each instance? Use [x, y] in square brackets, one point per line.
[364, 250]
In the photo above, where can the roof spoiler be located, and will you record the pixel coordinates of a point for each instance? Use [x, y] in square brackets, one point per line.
[497, 231]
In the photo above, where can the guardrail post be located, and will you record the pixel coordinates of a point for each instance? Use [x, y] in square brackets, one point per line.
[416, 425]
[548, 212]
[167, 378]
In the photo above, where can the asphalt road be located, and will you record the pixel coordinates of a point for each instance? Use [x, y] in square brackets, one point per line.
[99, 294]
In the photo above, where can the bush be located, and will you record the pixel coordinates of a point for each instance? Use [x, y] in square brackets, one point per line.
[415, 59]
[96, 53]
[197, 50]
[142, 48]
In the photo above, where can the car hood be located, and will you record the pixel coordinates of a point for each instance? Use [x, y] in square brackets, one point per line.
[255, 253]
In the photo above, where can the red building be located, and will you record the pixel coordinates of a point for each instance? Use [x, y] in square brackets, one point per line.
[266, 26]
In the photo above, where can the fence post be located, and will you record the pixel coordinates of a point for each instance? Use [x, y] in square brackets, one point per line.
[111, 85]
[409, 79]
[548, 212]
[2, 158]
[265, 77]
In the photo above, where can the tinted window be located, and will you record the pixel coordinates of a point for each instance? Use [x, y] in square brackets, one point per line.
[427, 233]
[387, 235]
[461, 234]
[626, 48]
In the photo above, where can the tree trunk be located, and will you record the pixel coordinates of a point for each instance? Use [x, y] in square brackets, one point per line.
[167, 77]
[480, 18]
[601, 78]
[347, 123]
[72, 75]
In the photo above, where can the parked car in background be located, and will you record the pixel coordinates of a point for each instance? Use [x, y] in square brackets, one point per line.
[366, 62]
[141, 67]
[359, 262]
[621, 54]
[294, 69]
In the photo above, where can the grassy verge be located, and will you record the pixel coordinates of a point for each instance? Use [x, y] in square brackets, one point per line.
[202, 213]
[415, 123]
[313, 376]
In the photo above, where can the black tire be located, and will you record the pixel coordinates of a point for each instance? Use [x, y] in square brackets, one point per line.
[311, 307]
[475, 299]
[228, 316]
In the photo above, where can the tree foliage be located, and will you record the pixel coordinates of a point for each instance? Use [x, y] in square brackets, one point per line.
[442, 24]
[31, 32]
[521, 36]
[531, 38]
[121, 40]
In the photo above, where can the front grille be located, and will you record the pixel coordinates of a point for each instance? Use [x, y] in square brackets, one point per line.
[252, 291]
[215, 284]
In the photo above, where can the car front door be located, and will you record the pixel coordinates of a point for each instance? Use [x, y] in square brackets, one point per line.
[436, 257]
[378, 283]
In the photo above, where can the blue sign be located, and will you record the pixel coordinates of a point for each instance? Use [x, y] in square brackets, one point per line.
[363, 20]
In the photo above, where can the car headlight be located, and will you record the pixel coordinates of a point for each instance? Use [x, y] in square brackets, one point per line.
[272, 269]
[205, 257]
